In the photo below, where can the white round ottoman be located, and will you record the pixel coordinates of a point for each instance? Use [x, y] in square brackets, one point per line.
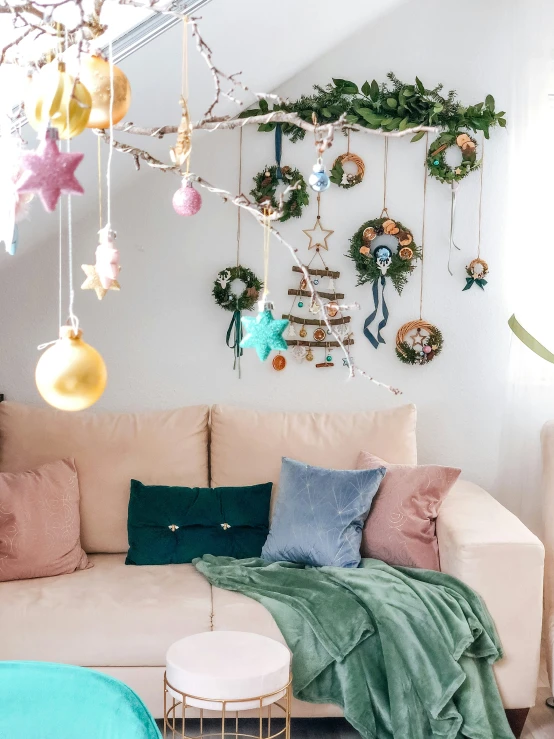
[228, 672]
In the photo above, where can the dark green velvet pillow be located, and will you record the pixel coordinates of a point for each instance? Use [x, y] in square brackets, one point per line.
[173, 525]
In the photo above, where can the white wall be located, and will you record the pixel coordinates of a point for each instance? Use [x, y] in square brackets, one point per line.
[163, 338]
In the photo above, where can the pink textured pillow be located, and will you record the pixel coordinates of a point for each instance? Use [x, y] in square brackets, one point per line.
[39, 522]
[400, 528]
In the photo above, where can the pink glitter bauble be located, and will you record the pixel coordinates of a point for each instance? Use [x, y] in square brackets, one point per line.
[427, 349]
[187, 201]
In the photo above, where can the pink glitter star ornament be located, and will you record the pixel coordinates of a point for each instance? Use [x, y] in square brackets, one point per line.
[50, 173]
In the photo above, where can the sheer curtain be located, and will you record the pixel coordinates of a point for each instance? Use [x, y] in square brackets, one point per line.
[529, 261]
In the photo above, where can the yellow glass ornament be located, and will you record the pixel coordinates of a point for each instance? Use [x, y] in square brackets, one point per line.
[95, 75]
[71, 375]
[55, 97]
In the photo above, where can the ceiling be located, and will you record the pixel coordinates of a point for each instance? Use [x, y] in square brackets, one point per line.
[268, 46]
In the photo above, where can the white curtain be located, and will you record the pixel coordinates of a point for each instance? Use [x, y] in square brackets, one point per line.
[529, 263]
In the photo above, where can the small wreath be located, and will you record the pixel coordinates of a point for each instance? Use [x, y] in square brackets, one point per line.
[436, 160]
[418, 342]
[339, 177]
[266, 183]
[476, 270]
[372, 264]
[227, 299]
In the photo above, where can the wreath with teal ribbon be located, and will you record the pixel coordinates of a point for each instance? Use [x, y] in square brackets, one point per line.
[265, 187]
[436, 156]
[246, 300]
[375, 263]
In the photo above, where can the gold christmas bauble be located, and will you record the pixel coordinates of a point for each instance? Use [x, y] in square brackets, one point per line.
[71, 375]
[95, 75]
[55, 97]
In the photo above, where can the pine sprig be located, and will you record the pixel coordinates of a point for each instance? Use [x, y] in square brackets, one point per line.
[392, 106]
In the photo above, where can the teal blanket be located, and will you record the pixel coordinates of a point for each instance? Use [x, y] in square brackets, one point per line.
[43, 700]
[406, 654]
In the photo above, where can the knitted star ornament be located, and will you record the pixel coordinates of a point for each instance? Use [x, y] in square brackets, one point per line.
[49, 172]
[264, 333]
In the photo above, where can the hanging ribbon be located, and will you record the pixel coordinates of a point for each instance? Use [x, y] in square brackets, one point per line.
[376, 340]
[529, 340]
[235, 328]
[454, 189]
[278, 150]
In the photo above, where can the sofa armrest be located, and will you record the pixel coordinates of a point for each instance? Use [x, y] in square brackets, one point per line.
[489, 549]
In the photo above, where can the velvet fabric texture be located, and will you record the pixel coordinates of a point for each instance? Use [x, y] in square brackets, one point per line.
[400, 528]
[405, 653]
[51, 701]
[319, 515]
[173, 525]
[39, 522]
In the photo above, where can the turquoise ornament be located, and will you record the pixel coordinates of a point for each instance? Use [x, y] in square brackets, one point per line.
[264, 333]
[319, 179]
[436, 163]
[300, 304]
[329, 358]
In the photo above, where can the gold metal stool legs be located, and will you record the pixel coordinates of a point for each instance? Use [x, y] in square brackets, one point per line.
[226, 707]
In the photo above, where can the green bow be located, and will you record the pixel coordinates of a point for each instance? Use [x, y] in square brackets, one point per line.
[479, 280]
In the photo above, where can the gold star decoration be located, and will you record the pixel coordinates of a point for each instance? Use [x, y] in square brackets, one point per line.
[315, 233]
[93, 282]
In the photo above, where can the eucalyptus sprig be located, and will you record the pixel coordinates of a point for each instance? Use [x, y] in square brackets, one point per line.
[393, 106]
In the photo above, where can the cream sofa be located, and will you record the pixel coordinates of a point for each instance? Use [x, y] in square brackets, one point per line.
[121, 620]
[547, 440]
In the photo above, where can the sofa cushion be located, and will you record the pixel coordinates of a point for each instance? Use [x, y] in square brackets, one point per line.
[166, 448]
[173, 525]
[39, 522]
[247, 446]
[109, 615]
[319, 515]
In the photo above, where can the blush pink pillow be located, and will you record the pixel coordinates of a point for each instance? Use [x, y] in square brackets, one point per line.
[400, 528]
[39, 522]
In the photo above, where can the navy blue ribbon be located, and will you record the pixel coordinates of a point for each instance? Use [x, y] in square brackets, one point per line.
[376, 340]
[235, 327]
[278, 149]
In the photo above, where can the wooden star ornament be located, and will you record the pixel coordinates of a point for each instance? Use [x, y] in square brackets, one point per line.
[316, 234]
[93, 282]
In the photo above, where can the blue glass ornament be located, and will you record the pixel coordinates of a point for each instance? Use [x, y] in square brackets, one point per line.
[329, 358]
[316, 282]
[300, 304]
[319, 179]
[264, 333]
[436, 163]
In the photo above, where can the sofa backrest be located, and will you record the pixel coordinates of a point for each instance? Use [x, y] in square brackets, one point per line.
[247, 445]
[167, 448]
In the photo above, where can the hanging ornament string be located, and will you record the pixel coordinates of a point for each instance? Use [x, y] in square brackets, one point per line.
[385, 174]
[72, 317]
[185, 81]
[423, 226]
[267, 238]
[278, 150]
[99, 158]
[478, 269]
[60, 264]
[110, 155]
[235, 327]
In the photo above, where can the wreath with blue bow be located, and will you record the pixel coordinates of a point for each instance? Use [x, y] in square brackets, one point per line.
[376, 261]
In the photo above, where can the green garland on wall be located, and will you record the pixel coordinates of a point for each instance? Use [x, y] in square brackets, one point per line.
[392, 106]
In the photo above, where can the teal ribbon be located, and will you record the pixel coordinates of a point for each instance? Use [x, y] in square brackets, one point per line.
[478, 280]
[278, 150]
[235, 329]
[376, 340]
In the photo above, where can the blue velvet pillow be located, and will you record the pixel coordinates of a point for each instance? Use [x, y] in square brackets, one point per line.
[319, 514]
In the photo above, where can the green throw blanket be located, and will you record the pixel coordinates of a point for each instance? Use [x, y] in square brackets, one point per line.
[405, 653]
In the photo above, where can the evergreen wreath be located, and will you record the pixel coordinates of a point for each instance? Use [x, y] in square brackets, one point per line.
[402, 259]
[436, 156]
[227, 299]
[393, 106]
[432, 341]
[265, 186]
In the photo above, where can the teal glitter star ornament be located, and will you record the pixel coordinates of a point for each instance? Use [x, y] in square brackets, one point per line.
[264, 333]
